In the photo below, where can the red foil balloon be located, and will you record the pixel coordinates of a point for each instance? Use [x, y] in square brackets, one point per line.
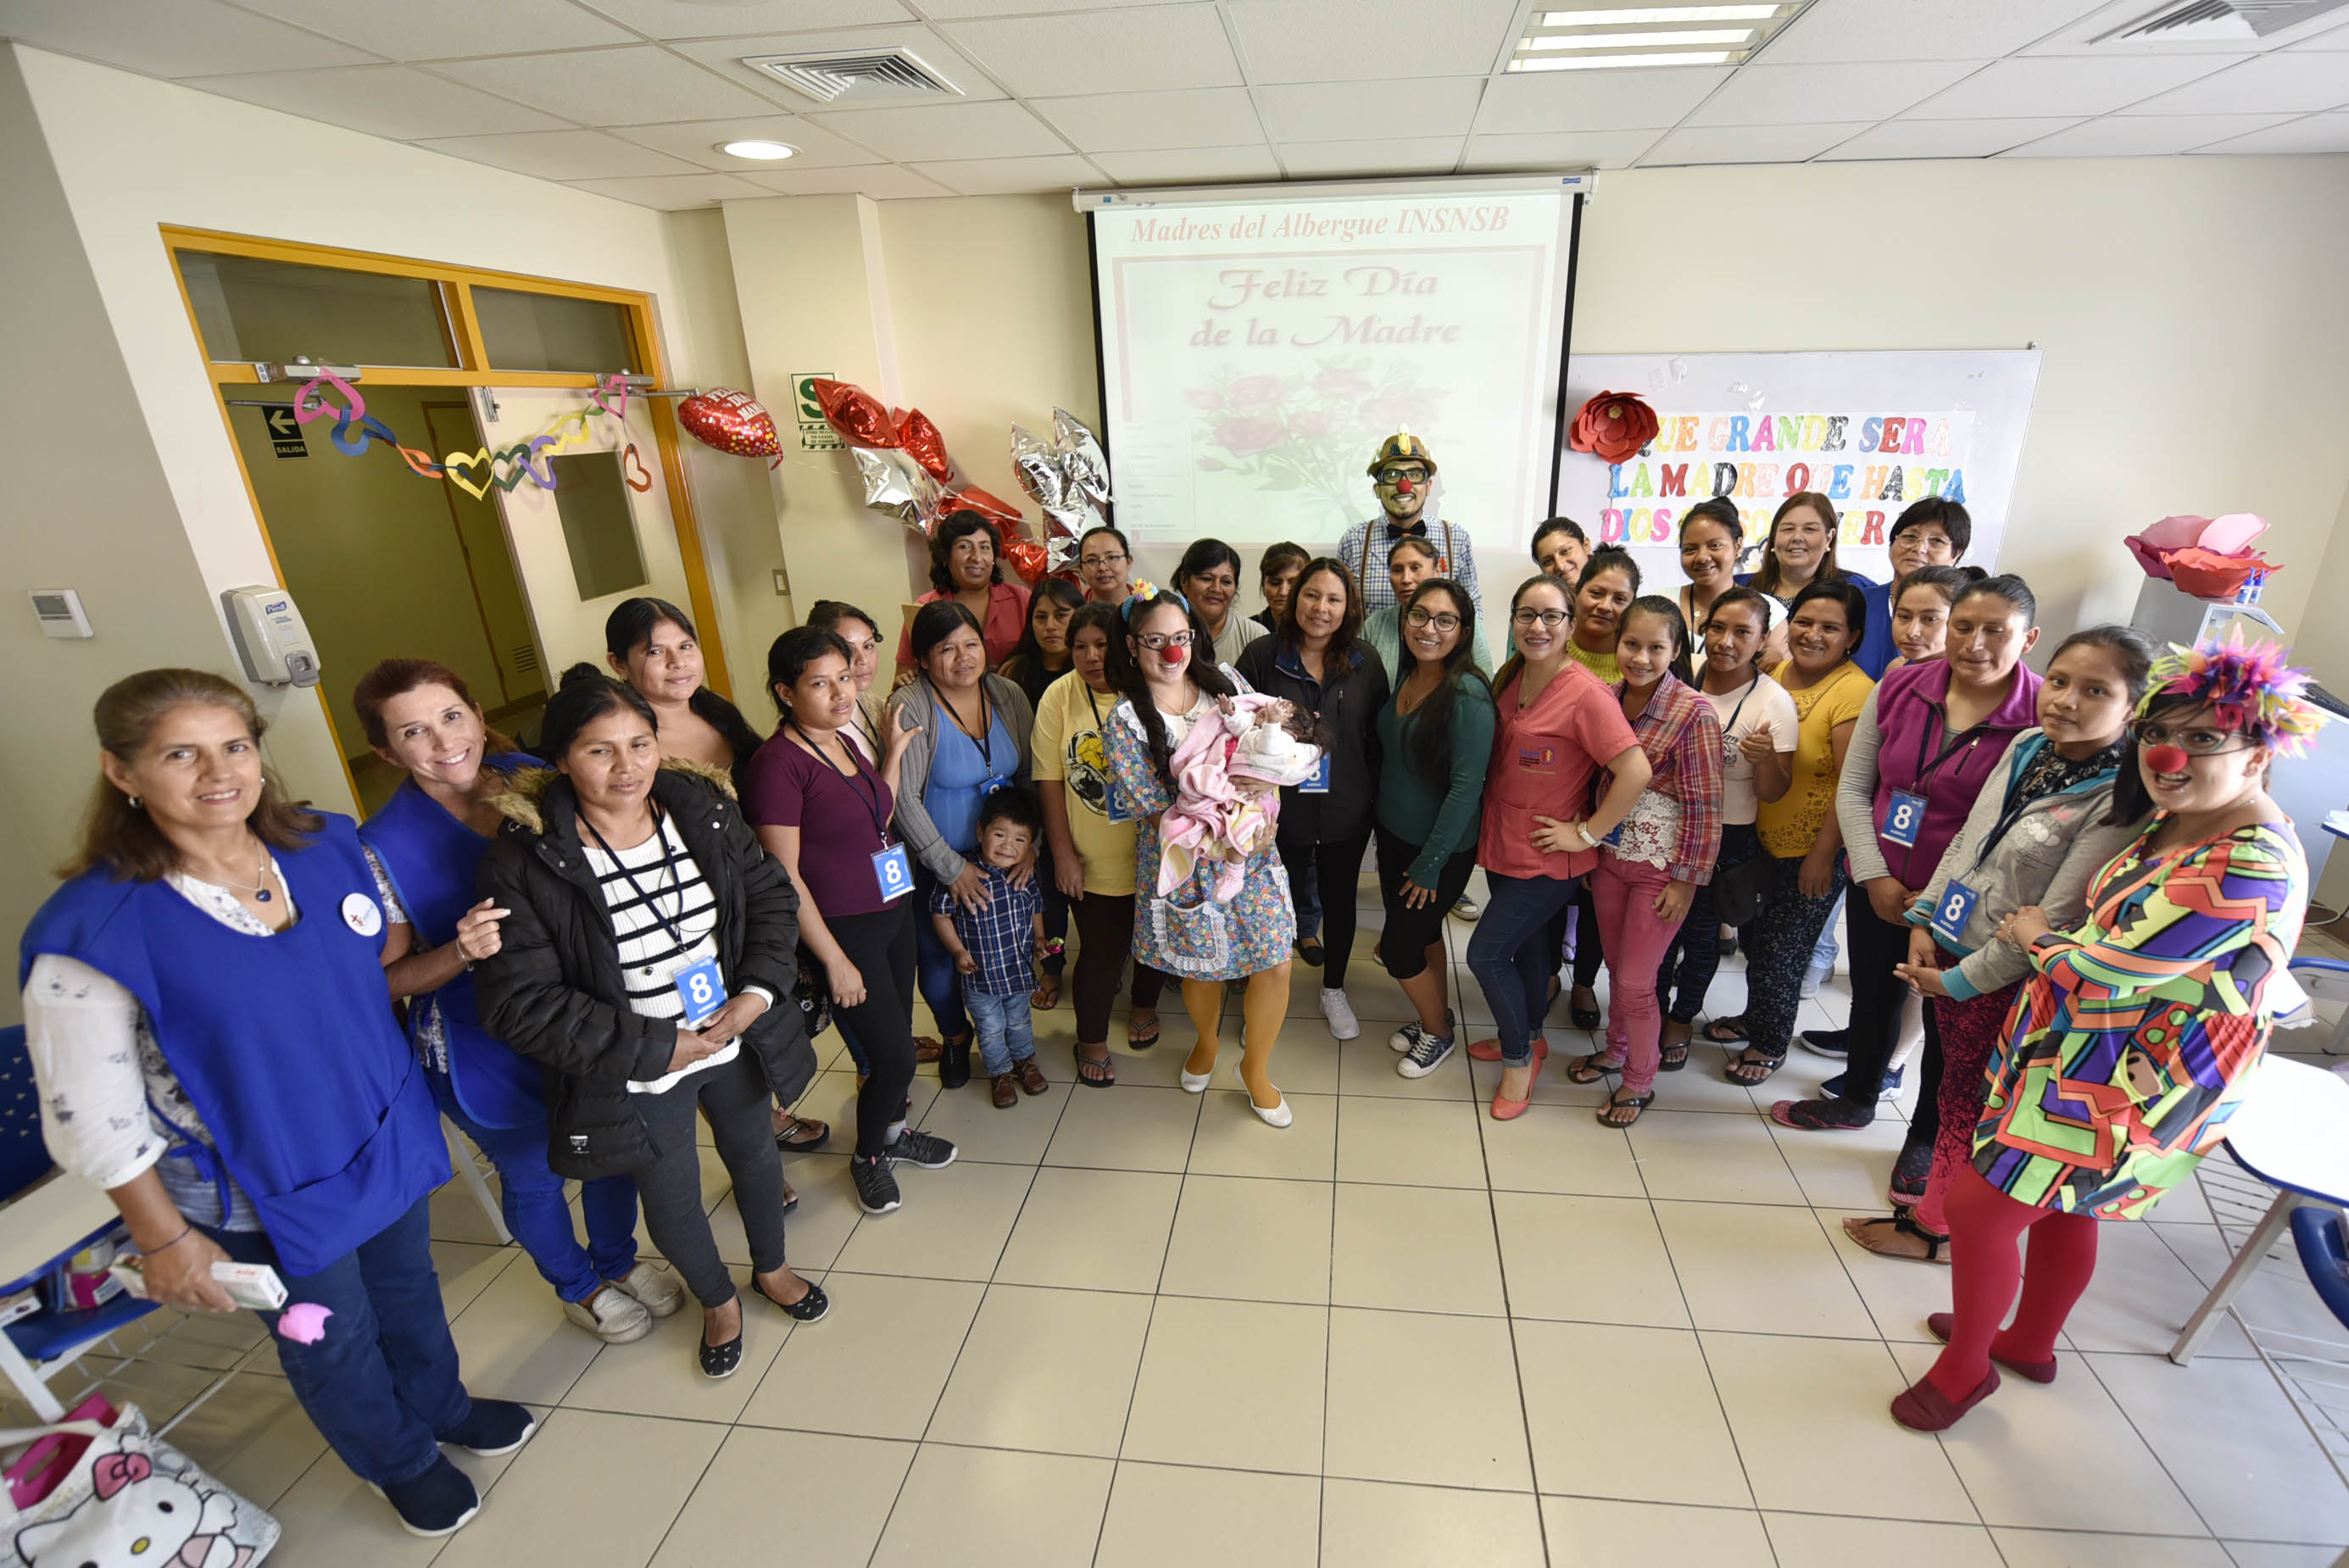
[732, 422]
[970, 498]
[1027, 557]
[922, 438]
[1614, 425]
[856, 415]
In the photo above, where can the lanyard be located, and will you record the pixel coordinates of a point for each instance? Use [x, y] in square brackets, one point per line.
[1101, 725]
[857, 775]
[1968, 738]
[669, 864]
[1728, 730]
[985, 738]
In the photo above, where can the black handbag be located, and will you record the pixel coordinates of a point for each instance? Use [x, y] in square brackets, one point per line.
[1739, 891]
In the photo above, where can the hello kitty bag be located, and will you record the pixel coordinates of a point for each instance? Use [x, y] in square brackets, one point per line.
[131, 1500]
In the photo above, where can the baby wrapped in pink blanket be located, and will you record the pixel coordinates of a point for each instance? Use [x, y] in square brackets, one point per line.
[1228, 773]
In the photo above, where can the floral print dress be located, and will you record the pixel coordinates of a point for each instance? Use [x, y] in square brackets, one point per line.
[1188, 934]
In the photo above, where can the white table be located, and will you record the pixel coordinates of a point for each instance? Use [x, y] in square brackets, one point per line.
[2291, 1131]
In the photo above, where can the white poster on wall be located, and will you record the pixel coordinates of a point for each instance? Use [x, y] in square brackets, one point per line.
[1873, 432]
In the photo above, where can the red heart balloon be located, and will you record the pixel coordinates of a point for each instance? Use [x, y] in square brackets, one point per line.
[732, 422]
[856, 415]
[1027, 557]
[1006, 517]
[929, 447]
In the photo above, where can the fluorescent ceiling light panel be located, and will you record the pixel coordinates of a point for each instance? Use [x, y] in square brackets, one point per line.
[761, 151]
[1636, 40]
[1642, 14]
[1586, 62]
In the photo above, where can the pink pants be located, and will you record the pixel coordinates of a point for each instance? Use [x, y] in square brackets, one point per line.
[1635, 938]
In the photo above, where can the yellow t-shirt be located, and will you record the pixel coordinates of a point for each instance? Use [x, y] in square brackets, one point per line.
[1790, 825]
[1069, 751]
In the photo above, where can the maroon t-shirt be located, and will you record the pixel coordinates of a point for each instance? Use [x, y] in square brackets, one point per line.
[840, 820]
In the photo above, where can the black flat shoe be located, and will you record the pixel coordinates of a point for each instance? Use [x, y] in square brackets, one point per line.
[954, 1065]
[1583, 1017]
[723, 1360]
[807, 1309]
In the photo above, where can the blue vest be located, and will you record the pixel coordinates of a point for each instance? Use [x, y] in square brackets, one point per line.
[431, 859]
[284, 1044]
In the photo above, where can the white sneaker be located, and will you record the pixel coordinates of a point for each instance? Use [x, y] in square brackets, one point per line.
[661, 1292]
[1466, 908]
[1343, 1024]
[1402, 1039]
[612, 1315]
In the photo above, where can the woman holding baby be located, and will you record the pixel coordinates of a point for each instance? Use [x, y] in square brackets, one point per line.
[1218, 909]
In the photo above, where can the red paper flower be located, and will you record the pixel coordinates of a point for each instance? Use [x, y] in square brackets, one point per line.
[1614, 425]
[856, 415]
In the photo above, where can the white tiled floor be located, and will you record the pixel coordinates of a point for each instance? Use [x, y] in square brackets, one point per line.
[1135, 1327]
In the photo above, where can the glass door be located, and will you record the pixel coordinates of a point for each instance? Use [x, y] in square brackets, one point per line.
[602, 534]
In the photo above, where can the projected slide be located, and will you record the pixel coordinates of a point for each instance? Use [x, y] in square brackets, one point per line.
[1254, 356]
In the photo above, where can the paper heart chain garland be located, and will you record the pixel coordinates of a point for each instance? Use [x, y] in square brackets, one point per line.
[522, 460]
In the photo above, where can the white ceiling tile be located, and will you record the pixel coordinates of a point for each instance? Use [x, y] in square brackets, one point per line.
[1798, 95]
[2334, 37]
[882, 182]
[1855, 30]
[725, 18]
[1004, 176]
[914, 131]
[1557, 149]
[171, 37]
[2144, 135]
[1553, 101]
[1159, 46]
[1749, 143]
[672, 193]
[2082, 35]
[726, 56]
[2045, 87]
[381, 101]
[561, 155]
[2281, 83]
[1389, 155]
[1332, 111]
[945, 10]
[2317, 133]
[449, 29]
[638, 86]
[1186, 166]
[698, 141]
[1944, 138]
[1345, 40]
[1128, 122]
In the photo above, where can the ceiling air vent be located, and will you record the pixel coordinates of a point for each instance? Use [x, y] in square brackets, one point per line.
[854, 74]
[2216, 21]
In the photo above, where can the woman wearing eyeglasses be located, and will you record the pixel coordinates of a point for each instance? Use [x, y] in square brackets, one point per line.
[2127, 1051]
[1410, 561]
[1558, 726]
[1435, 741]
[1103, 559]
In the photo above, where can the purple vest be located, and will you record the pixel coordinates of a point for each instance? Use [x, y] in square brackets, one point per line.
[1917, 754]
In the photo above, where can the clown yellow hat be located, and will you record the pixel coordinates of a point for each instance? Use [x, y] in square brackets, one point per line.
[1401, 444]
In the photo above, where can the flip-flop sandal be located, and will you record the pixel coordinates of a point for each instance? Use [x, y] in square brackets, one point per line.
[799, 1133]
[1142, 1042]
[1614, 1108]
[1047, 994]
[790, 1197]
[1739, 1070]
[1712, 1032]
[1899, 1225]
[1590, 1069]
[928, 1048]
[1096, 1072]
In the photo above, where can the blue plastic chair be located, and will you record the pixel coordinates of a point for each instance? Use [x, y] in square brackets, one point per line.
[2327, 980]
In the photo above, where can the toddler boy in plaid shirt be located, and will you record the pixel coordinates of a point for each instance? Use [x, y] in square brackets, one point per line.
[992, 947]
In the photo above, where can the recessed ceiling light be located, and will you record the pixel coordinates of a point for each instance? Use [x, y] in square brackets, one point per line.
[1659, 14]
[1636, 40]
[763, 152]
[1588, 62]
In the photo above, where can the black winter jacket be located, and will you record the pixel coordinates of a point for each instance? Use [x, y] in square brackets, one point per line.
[553, 990]
[1349, 706]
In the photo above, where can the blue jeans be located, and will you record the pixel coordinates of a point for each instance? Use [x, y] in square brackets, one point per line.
[1007, 1029]
[1823, 951]
[1512, 958]
[934, 965]
[383, 1382]
[531, 1198]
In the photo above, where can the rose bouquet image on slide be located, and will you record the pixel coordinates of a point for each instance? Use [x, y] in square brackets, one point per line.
[1307, 431]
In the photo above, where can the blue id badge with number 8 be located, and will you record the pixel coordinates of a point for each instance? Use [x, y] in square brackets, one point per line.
[702, 990]
[894, 872]
[1949, 915]
[1904, 818]
[1113, 802]
[1318, 781]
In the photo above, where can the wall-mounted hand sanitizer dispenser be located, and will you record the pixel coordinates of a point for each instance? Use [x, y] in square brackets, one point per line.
[270, 636]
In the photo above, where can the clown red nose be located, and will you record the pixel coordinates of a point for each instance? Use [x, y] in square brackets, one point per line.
[2166, 758]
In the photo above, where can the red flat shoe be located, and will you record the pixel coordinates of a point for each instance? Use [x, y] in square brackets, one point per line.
[1490, 1050]
[1940, 1324]
[1925, 1409]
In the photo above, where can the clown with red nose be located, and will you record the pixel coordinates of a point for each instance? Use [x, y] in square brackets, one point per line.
[1404, 477]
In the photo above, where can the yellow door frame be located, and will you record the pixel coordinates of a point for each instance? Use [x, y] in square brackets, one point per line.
[473, 369]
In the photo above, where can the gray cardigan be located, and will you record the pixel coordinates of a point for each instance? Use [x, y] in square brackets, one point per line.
[919, 702]
[2054, 849]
